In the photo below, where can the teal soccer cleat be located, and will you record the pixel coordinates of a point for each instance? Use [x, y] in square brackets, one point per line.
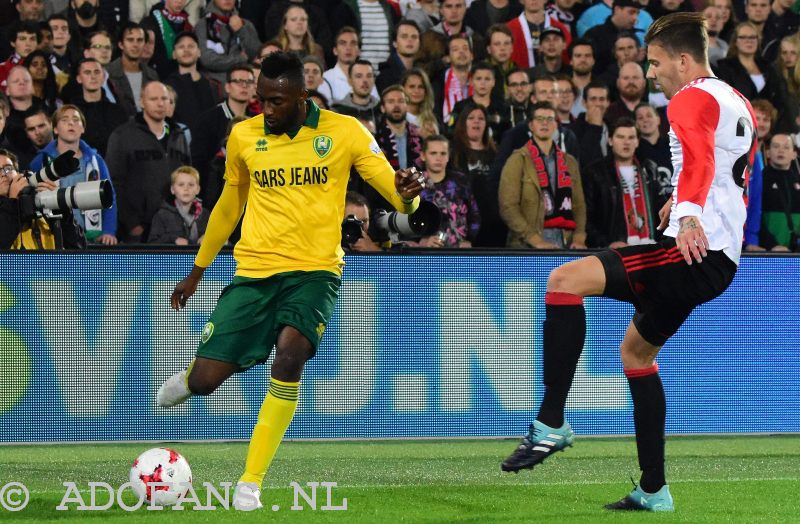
[540, 442]
[638, 500]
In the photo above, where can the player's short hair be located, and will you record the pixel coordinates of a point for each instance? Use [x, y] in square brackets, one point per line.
[623, 121]
[540, 105]
[185, 170]
[681, 33]
[11, 156]
[353, 198]
[281, 64]
[435, 138]
[391, 89]
[58, 113]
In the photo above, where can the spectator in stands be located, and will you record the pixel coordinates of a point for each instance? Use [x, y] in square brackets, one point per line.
[195, 93]
[166, 20]
[374, 20]
[347, 51]
[780, 229]
[757, 12]
[208, 130]
[482, 14]
[729, 18]
[425, 14]
[623, 193]
[45, 38]
[312, 74]
[567, 93]
[138, 9]
[589, 127]
[659, 8]
[27, 11]
[454, 83]
[127, 73]
[420, 101]
[403, 55]
[582, 61]
[11, 185]
[20, 97]
[182, 219]
[39, 133]
[766, 116]
[601, 11]
[626, 49]
[473, 155]
[604, 35]
[360, 102]
[226, 39]
[216, 176]
[99, 225]
[101, 115]
[528, 31]
[141, 155]
[295, 35]
[24, 39]
[545, 89]
[631, 87]
[451, 192]
[483, 83]
[266, 49]
[317, 22]
[566, 12]
[499, 45]
[652, 144]
[83, 21]
[45, 87]
[788, 65]
[60, 57]
[398, 139]
[750, 74]
[355, 205]
[540, 194]
[783, 21]
[717, 47]
[435, 41]
[519, 93]
[551, 47]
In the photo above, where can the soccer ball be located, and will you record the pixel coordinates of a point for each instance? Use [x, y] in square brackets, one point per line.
[160, 465]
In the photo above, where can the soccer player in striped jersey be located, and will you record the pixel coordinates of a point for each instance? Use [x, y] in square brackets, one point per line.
[290, 165]
[713, 143]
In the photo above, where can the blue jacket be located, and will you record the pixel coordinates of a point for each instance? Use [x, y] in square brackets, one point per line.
[755, 188]
[597, 14]
[90, 161]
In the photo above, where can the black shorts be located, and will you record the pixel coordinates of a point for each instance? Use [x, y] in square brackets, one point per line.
[656, 279]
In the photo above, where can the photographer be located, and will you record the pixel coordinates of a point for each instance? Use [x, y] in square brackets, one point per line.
[356, 210]
[21, 227]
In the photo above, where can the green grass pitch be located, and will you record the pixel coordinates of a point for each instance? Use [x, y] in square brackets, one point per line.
[713, 479]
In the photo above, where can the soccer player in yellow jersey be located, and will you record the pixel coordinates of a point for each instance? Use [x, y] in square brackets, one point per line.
[290, 166]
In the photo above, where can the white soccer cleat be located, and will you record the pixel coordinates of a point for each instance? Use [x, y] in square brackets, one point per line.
[173, 391]
[247, 497]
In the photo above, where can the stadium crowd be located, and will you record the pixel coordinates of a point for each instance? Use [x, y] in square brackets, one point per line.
[532, 122]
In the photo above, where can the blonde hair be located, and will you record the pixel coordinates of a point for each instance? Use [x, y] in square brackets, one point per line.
[309, 45]
[185, 170]
[792, 76]
[63, 109]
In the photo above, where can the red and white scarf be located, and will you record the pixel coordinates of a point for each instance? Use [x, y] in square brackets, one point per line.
[638, 215]
[453, 92]
[558, 200]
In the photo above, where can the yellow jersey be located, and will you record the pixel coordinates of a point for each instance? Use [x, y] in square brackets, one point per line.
[298, 180]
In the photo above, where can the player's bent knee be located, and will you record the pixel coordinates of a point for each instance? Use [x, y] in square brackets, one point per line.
[560, 279]
[201, 385]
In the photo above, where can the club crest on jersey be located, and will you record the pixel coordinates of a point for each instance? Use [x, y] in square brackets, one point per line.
[261, 144]
[322, 145]
[208, 330]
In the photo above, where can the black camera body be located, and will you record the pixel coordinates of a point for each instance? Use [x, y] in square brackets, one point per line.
[352, 230]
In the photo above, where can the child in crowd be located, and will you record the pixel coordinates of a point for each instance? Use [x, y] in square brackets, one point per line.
[182, 220]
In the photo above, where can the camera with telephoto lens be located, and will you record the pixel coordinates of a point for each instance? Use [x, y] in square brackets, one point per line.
[352, 230]
[84, 195]
[423, 222]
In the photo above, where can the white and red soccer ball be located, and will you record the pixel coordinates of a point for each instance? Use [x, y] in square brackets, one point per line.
[160, 465]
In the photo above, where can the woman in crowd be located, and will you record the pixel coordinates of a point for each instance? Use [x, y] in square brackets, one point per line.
[45, 87]
[294, 35]
[420, 101]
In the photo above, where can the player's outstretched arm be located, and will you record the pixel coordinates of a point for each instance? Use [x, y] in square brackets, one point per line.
[221, 223]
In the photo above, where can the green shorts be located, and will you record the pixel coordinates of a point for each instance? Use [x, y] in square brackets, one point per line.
[250, 313]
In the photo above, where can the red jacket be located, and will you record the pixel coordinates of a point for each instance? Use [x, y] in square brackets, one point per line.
[521, 54]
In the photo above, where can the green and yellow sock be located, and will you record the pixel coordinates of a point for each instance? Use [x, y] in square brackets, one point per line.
[274, 418]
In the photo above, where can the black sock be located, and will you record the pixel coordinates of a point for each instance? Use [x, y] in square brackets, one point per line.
[649, 418]
[564, 331]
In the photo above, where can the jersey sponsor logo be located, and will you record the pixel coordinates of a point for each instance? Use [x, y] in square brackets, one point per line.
[322, 145]
[375, 148]
[294, 176]
[208, 330]
[261, 144]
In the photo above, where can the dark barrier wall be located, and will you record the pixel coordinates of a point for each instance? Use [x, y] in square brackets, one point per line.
[419, 346]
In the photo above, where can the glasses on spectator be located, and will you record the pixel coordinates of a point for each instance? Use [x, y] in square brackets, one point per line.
[242, 81]
[747, 37]
[544, 119]
[101, 46]
[518, 84]
[8, 169]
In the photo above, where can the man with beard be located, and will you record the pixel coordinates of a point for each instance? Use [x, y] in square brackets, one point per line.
[582, 61]
[399, 140]
[631, 87]
[83, 21]
[289, 259]
[127, 73]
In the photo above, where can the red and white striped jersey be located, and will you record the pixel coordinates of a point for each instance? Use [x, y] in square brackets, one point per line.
[712, 140]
